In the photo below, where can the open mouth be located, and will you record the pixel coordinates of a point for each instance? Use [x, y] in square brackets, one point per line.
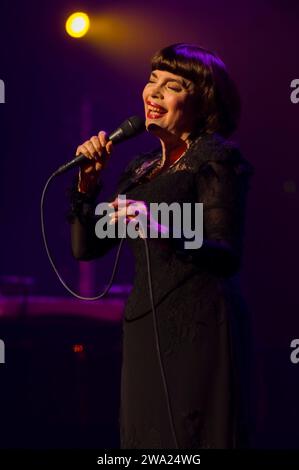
[154, 111]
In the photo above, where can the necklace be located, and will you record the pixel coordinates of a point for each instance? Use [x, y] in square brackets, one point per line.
[178, 158]
[161, 163]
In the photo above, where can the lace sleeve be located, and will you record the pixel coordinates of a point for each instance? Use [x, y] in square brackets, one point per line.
[82, 218]
[82, 205]
[221, 183]
[222, 187]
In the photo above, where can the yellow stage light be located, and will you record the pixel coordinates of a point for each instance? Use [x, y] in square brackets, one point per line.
[77, 24]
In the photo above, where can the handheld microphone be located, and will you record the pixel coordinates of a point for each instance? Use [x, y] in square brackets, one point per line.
[129, 128]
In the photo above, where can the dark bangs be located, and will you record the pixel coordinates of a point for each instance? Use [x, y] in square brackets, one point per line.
[217, 95]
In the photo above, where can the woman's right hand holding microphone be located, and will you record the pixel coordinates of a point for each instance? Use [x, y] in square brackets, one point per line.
[97, 149]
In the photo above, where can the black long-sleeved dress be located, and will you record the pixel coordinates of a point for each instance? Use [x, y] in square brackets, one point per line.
[202, 318]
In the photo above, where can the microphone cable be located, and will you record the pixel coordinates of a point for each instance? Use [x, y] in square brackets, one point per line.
[105, 292]
[71, 291]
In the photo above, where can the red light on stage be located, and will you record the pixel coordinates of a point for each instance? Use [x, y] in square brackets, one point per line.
[78, 348]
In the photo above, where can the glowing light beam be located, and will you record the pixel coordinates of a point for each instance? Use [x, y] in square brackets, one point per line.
[77, 24]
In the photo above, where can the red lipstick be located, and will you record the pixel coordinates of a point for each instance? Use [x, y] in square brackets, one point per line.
[156, 106]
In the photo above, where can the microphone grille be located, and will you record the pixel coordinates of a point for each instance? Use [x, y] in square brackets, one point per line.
[129, 128]
[133, 126]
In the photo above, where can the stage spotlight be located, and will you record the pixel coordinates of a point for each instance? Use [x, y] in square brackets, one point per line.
[77, 24]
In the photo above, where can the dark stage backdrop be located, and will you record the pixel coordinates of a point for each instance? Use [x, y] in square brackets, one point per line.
[59, 91]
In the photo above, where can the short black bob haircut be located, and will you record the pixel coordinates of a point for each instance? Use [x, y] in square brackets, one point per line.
[218, 97]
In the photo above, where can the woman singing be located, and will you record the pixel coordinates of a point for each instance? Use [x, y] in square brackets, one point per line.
[192, 107]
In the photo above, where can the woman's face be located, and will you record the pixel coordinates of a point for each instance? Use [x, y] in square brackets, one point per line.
[170, 105]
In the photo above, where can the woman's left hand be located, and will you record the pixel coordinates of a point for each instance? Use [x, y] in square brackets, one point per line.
[126, 210]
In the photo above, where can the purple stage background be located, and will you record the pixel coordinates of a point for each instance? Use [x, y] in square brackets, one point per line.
[60, 90]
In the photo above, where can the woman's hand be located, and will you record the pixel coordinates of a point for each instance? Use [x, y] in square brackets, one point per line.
[128, 209]
[97, 149]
